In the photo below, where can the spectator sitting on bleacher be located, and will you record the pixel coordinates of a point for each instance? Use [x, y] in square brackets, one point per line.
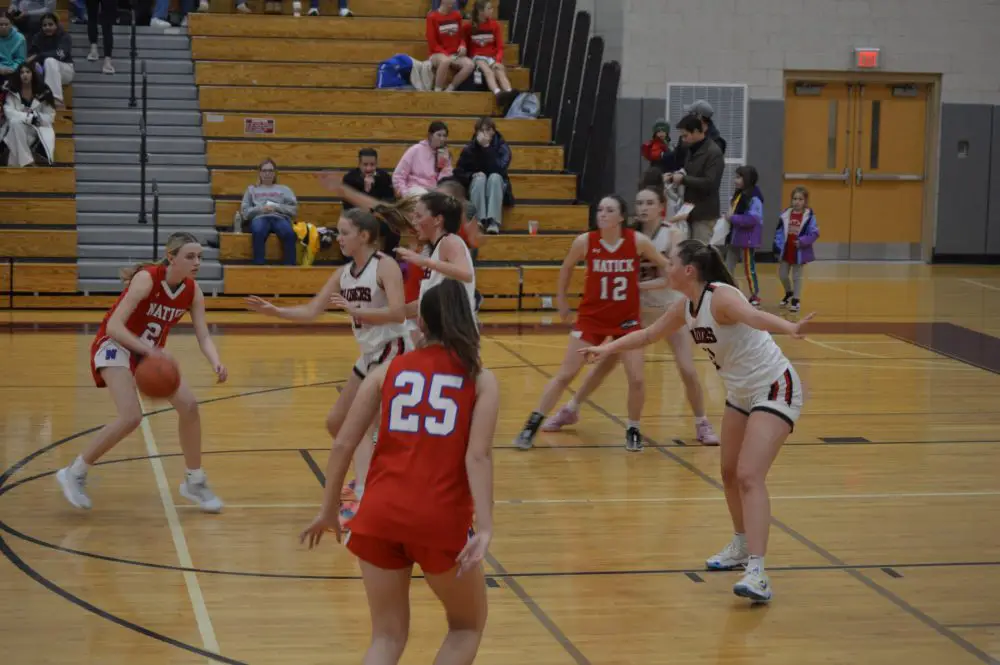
[369, 178]
[446, 46]
[484, 37]
[52, 50]
[270, 208]
[483, 164]
[27, 15]
[424, 163]
[435, 4]
[13, 49]
[30, 112]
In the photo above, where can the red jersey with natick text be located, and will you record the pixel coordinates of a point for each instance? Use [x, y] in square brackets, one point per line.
[155, 314]
[417, 490]
[610, 304]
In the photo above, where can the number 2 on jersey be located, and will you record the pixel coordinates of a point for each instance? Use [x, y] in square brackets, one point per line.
[619, 285]
[152, 333]
[442, 425]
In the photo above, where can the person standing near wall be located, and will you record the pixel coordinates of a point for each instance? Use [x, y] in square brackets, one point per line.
[702, 177]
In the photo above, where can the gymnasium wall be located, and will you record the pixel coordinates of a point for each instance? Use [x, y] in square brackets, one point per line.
[756, 41]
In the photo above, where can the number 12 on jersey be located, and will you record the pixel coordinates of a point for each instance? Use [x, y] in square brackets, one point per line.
[618, 287]
[441, 424]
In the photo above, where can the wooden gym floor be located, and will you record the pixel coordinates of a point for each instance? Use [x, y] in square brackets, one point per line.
[884, 546]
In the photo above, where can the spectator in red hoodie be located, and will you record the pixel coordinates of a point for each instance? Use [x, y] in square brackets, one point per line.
[446, 46]
[484, 37]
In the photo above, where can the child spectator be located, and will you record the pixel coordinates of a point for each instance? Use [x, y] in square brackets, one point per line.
[657, 150]
[483, 164]
[30, 111]
[793, 245]
[13, 49]
[270, 208]
[424, 164]
[484, 37]
[446, 46]
[747, 220]
[369, 178]
[52, 49]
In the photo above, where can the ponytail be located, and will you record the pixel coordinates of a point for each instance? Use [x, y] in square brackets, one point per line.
[707, 261]
[173, 245]
[445, 206]
[396, 215]
[447, 319]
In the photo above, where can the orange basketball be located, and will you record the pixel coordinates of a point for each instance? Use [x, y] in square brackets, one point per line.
[157, 377]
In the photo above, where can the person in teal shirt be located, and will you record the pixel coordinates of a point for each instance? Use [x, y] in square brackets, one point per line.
[13, 49]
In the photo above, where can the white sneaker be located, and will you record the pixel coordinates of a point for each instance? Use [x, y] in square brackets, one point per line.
[733, 556]
[201, 494]
[313, 11]
[203, 6]
[754, 585]
[243, 8]
[93, 55]
[159, 23]
[346, 12]
[297, 8]
[73, 487]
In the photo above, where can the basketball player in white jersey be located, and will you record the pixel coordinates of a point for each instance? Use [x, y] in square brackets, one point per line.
[437, 219]
[650, 209]
[370, 289]
[764, 397]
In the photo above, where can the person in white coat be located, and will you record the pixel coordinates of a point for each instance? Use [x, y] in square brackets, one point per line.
[30, 113]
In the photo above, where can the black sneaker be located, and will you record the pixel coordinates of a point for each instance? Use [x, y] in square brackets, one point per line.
[633, 440]
[492, 227]
[785, 301]
[793, 305]
[525, 440]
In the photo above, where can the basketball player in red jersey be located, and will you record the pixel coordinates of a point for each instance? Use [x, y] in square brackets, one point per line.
[610, 308]
[431, 472]
[155, 298]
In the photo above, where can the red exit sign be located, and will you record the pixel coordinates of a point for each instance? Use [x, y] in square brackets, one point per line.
[867, 58]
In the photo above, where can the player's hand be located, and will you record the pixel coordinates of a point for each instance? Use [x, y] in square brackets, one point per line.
[474, 551]
[332, 181]
[261, 306]
[220, 372]
[157, 352]
[565, 313]
[410, 256]
[338, 301]
[798, 332]
[594, 354]
[320, 525]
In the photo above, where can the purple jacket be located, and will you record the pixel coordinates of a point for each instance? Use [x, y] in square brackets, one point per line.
[748, 227]
[808, 235]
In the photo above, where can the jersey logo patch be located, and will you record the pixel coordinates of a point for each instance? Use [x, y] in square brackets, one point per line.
[704, 335]
[110, 354]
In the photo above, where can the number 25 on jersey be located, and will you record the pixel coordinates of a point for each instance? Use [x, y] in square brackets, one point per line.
[401, 415]
[614, 288]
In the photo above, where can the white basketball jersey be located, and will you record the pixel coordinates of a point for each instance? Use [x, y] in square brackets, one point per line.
[432, 277]
[362, 289]
[662, 240]
[748, 359]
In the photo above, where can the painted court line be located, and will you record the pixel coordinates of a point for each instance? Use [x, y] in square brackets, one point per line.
[204, 621]
[983, 285]
[655, 499]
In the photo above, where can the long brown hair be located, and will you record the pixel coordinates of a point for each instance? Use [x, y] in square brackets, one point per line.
[445, 206]
[268, 160]
[448, 320]
[364, 222]
[706, 260]
[173, 245]
[397, 216]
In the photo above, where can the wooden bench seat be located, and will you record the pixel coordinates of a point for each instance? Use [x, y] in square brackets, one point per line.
[315, 50]
[34, 277]
[345, 155]
[306, 184]
[41, 180]
[64, 122]
[313, 75]
[544, 280]
[271, 100]
[323, 27]
[360, 8]
[326, 213]
[65, 150]
[38, 211]
[372, 128]
[31, 243]
[513, 248]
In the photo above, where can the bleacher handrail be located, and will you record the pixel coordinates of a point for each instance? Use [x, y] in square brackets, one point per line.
[133, 54]
[143, 156]
[156, 220]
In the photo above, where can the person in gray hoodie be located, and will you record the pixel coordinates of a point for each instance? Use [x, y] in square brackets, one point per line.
[270, 208]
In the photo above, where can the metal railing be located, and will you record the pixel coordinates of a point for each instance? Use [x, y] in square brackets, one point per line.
[143, 152]
[133, 55]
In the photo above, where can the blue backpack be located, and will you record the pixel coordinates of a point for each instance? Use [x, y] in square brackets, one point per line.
[394, 72]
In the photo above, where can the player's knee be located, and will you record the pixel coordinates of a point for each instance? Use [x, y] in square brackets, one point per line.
[391, 639]
[748, 478]
[187, 408]
[131, 420]
[729, 475]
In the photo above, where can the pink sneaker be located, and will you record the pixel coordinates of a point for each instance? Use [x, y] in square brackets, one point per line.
[705, 434]
[563, 417]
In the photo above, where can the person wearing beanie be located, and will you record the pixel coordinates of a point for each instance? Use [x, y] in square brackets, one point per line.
[704, 111]
[657, 150]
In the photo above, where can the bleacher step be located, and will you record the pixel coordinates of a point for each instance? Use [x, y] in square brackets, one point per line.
[105, 188]
[127, 116]
[139, 234]
[132, 158]
[141, 31]
[132, 253]
[121, 103]
[154, 145]
[115, 90]
[84, 219]
[209, 287]
[95, 78]
[131, 173]
[157, 131]
[123, 66]
[109, 269]
[176, 205]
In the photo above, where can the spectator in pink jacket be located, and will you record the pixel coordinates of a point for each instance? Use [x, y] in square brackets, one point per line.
[424, 163]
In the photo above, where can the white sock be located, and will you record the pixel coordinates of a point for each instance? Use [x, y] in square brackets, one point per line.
[700, 420]
[436, 89]
[450, 88]
[633, 423]
[79, 467]
[755, 563]
[496, 91]
[196, 476]
[741, 540]
[573, 405]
